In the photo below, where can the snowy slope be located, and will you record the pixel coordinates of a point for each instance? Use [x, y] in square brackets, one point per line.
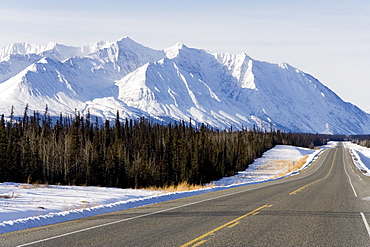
[177, 83]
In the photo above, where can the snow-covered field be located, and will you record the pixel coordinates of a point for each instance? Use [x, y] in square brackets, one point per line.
[24, 206]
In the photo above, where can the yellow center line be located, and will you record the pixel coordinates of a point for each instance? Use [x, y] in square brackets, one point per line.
[327, 175]
[223, 226]
[233, 224]
[199, 243]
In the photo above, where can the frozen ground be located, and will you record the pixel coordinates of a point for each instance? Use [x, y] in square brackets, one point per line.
[24, 206]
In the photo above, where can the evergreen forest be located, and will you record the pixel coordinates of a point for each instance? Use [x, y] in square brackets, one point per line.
[129, 153]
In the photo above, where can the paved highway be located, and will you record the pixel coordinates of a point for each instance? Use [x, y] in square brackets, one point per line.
[325, 205]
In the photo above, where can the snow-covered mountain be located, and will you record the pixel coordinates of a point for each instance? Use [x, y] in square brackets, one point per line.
[177, 83]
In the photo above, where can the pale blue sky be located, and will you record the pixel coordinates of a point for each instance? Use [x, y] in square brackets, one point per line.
[328, 39]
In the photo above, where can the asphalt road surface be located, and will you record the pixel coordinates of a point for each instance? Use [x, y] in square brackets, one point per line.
[327, 204]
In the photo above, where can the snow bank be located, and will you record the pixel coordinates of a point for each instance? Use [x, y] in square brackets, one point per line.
[57, 217]
[360, 156]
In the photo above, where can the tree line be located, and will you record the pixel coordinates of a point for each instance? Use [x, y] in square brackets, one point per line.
[129, 153]
[363, 140]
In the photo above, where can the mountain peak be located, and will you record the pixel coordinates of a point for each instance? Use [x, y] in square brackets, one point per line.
[174, 50]
[126, 38]
[127, 42]
[180, 46]
[19, 49]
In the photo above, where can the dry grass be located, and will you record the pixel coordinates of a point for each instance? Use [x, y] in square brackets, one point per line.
[286, 166]
[34, 185]
[9, 197]
[299, 164]
[184, 186]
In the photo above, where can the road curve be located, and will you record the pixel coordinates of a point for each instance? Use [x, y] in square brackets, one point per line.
[325, 205]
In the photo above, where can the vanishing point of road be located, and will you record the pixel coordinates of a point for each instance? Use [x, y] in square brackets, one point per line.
[326, 204]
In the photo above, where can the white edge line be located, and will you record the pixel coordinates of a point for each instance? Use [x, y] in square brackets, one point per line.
[349, 178]
[365, 222]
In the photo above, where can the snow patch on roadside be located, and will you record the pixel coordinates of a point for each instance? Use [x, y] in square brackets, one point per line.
[360, 156]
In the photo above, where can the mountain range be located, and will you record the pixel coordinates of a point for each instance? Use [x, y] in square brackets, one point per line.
[178, 83]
